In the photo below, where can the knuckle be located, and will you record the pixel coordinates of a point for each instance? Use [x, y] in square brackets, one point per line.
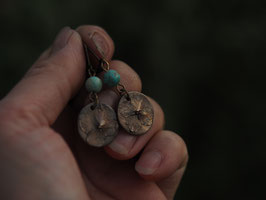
[41, 67]
[14, 115]
[50, 68]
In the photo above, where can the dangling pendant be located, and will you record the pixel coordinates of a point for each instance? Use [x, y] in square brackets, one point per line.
[135, 113]
[97, 124]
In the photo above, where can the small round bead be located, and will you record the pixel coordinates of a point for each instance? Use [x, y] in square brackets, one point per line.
[111, 78]
[93, 84]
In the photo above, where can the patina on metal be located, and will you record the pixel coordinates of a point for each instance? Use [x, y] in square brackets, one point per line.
[97, 124]
[135, 113]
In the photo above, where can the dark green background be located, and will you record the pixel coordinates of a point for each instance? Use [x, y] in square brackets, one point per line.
[204, 61]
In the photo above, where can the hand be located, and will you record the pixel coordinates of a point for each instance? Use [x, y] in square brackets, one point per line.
[43, 157]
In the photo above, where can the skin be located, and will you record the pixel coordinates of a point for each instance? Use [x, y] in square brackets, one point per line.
[43, 157]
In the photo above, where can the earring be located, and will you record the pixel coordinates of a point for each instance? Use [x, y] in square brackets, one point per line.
[135, 112]
[97, 122]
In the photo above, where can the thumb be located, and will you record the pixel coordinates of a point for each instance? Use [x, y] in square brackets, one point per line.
[49, 84]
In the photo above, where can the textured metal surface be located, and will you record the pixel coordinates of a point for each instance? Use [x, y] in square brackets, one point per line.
[135, 113]
[97, 126]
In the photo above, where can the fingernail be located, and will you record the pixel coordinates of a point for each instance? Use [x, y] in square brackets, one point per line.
[123, 143]
[149, 162]
[62, 39]
[100, 43]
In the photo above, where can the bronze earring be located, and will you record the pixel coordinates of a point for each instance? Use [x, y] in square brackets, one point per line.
[135, 112]
[97, 123]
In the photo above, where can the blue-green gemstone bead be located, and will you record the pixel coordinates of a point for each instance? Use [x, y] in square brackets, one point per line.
[93, 84]
[111, 78]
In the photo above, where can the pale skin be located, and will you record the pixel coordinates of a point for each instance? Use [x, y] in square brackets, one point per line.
[43, 157]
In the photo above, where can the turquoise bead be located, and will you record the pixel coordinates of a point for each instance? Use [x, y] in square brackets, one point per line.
[111, 78]
[93, 84]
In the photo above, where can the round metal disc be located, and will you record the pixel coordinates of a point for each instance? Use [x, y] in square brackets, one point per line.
[98, 125]
[135, 113]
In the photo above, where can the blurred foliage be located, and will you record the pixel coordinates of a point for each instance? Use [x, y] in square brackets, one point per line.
[203, 61]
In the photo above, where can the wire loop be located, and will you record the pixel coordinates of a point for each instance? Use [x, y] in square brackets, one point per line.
[122, 91]
[104, 65]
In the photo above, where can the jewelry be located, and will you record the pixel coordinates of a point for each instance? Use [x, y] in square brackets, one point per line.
[135, 113]
[97, 123]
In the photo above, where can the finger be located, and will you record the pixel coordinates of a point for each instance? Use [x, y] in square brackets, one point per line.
[126, 146]
[163, 160]
[98, 40]
[163, 155]
[45, 90]
[170, 184]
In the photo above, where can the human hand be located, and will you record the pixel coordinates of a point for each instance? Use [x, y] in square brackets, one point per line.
[43, 157]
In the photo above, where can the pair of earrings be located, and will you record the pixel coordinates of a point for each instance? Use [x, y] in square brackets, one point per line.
[98, 123]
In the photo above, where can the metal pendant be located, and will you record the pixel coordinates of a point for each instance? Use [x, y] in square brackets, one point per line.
[97, 124]
[135, 113]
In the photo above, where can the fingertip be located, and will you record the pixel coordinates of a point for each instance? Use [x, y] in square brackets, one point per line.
[98, 40]
[71, 60]
[62, 39]
[67, 46]
[164, 154]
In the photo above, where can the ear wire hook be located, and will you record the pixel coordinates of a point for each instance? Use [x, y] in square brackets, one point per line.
[104, 64]
[89, 66]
